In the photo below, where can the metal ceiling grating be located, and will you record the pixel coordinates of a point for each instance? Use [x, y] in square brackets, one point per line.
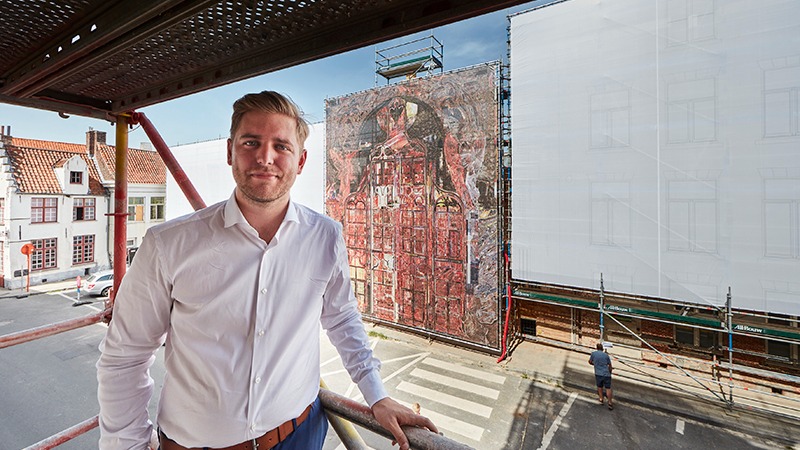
[99, 57]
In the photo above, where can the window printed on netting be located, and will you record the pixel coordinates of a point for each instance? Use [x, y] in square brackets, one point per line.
[412, 174]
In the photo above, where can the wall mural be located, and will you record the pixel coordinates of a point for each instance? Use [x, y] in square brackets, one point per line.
[412, 174]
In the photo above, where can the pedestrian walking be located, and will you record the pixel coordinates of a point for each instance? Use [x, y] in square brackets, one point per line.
[602, 374]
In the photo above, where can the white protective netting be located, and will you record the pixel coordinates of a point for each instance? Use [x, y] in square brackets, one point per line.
[658, 143]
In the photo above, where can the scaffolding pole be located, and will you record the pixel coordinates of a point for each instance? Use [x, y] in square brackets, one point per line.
[602, 310]
[730, 346]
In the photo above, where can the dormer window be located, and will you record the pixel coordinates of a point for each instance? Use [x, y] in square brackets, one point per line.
[75, 177]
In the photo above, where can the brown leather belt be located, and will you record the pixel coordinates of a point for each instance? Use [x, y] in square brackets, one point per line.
[265, 442]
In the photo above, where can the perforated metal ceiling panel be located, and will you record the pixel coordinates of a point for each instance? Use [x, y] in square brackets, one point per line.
[99, 57]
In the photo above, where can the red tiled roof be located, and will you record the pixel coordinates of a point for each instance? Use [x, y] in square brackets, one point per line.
[144, 166]
[33, 160]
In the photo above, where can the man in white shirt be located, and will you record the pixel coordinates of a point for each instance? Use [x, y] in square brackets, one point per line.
[238, 292]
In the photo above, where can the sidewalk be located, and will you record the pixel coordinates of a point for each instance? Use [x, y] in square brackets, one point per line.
[56, 286]
[672, 394]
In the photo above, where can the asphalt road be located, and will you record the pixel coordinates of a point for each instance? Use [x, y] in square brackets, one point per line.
[49, 385]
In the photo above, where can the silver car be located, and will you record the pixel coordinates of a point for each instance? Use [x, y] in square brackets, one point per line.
[99, 283]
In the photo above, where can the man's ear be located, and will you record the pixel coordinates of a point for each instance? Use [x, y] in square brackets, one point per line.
[302, 162]
[229, 151]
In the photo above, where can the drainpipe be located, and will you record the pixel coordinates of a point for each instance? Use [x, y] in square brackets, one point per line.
[508, 309]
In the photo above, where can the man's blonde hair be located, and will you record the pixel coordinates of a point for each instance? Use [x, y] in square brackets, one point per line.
[269, 102]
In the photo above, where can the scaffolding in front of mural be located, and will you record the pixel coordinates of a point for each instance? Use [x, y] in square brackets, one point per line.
[509, 311]
[409, 59]
[719, 379]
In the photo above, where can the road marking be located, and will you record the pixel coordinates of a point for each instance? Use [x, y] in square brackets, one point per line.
[445, 399]
[479, 374]
[679, 424]
[556, 423]
[73, 300]
[398, 371]
[456, 383]
[450, 424]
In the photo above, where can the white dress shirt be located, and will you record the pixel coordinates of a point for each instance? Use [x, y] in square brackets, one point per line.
[241, 322]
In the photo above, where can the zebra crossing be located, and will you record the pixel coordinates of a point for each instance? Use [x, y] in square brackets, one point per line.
[457, 398]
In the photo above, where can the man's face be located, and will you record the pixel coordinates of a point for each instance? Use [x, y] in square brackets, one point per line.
[266, 156]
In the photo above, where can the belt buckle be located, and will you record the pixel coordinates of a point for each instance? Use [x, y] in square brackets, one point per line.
[254, 443]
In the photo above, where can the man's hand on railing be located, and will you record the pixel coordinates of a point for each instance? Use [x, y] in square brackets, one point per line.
[392, 415]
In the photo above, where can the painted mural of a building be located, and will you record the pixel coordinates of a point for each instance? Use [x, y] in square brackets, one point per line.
[412, 175]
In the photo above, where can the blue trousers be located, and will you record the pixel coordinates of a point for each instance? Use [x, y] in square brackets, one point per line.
[310, 435]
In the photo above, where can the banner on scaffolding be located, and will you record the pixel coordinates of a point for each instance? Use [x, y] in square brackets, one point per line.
[653, 145]
[412, 175]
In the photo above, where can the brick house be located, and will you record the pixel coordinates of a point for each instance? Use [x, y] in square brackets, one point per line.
[56, 195]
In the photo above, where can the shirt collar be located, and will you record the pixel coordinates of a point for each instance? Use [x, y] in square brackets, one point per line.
[233, 214]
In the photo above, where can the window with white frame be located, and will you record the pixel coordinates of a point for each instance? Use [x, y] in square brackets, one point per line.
[83, 249]
[44, 209]
[83, 209]
[156, 208]
[135, 209]
[75, 177]
[44, 255]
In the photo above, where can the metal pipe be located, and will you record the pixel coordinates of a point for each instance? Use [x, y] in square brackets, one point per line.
[20, 337]
[508, 310]
[120, 205]
[418, 438]
[70, 433]
[602, 310]
[730, 345]
[169, 160]
[345, 430]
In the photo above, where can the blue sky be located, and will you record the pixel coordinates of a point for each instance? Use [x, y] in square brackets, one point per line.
[206, 115]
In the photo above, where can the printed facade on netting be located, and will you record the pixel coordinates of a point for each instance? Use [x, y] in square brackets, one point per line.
[412, 174]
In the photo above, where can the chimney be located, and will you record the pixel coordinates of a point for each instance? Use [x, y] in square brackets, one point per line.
[5, 130]
[93, 138]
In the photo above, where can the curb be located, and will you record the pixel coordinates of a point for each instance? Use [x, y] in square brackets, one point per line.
[20, 294]
[632, 386]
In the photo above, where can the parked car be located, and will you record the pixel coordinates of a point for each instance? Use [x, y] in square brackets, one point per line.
[99, 283]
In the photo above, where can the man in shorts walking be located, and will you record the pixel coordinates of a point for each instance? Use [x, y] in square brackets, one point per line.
[602, 374]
